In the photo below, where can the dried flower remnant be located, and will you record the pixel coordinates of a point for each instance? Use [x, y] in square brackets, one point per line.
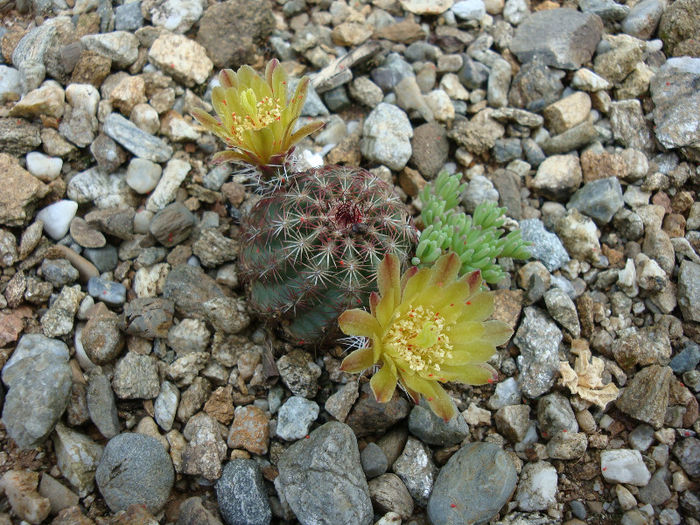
[585, 379]
[425, 328]
[254, 117]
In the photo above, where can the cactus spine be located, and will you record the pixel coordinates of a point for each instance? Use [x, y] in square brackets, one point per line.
[310, 248]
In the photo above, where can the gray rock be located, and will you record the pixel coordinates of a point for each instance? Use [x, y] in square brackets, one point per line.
[295, 418]
[172, 225]
[558, 176]
[391, 72]
[515, 11]
[374, 461]
[174, 173]
[688, 453]
[165, 406]
[188, 287]
[473, 486]
[177, 16]
[676, 102]
[18, 136]
[59, 318]
[109, 292]
[537, 489]
[605, 9]
[105, 259]
[506, 150]
[121, 47]
[28, 55]
[39, 383]
[469, 9]
[205, 449]
[642, 19]
[562, 309]
[241, 494]
[136, 377]
[513, 421]
[387, 136]
[299, 373]
[101, 405]
[193, 512]
[546, 246]
[656, 491]
[59, 272]
[480, 189]
[507, 393]
[416, 469]
[538, 339]
[148, 317]
[128, 17]
[10, 84]
[599, 199]
[564, 38]
[646, 395]
[134, 469]
[554, 414]
[321, 478]
[213, 248]
[498, 83]
[535, 86]
[629, 126]
[572, 139]
[432, 429]
[135, 140]
[685, 360]
[473, 74]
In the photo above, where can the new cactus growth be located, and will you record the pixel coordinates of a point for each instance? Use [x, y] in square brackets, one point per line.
[311, 248]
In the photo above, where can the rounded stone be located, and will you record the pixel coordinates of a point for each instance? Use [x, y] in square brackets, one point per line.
[473, 486]
[57, 218]
[241, 495]
[135, 469]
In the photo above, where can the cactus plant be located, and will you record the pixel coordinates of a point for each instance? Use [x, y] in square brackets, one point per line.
[310, 248]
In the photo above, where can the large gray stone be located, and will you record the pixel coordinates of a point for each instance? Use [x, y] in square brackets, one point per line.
[538, 339]
[136, 140]
[563, 38]
[241, 495]
[599, 199]
[322, 479]
[134, 469]
[473, 486]
[387, 136]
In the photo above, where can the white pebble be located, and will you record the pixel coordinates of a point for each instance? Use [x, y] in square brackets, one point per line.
[624, 466]
[143, 175]
[57, 218]
[43, 167]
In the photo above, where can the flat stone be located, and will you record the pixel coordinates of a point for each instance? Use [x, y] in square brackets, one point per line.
[416, 469]
[329, 461]
[624, 466]
[599, 199]
[689, 290]
[538, 486]
[564, 38]
[473, 486]
[135, 140]
[20, 490]
[79, 123]
[646, 396]
[85, 235]
[426, 7]
[119, 46]
[431, 429]
[386, 137]
[135, 468]
[174, 173]
[538, 339]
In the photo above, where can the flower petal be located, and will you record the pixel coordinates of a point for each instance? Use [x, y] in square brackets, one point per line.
[306, 130]
[478, 307]
[357, 361]
[475, 352]
[464, 332]
[228, 78]
[439, 401]
[229, 156]
[445, 270]
[496, 332]
[389, 278]
[415, 285]
[358, 322]
[383, 383]
[373, 302]
[473, 374]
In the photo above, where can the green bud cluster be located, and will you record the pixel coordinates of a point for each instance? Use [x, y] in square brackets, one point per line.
[477, 240]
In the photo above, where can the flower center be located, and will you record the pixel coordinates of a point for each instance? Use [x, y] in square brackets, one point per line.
[419, 338]
[258, 114]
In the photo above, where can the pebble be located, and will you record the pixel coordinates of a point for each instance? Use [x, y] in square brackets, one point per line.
[59, 318]
[473, 486]
[59, 272]
[20, 488]
[416, 469]
[181, 58]
[43, 167]
[85, 235]
[299, 373]
[554, 415]
[389, 494]
[643, 18]
[624, 466]
[550, 34]
[241, 494]
[431, 429]
[57, 218]
[102, 406]
[60, 497]
[580, 236]
[507, 393]
[329, 461]
[165, 405]
[164, 193]
[538, 339]
[109, 292]
[647, 395]
[387, 136]
[687, 451]
[546, 246]
[513, 421]
[77, 457]
[558, 176]
[599, 199]
[105, 259]
[136, 141]
[562, 309]
[136, 377]
[689, 290]
[205, 448]
[135, 468]
[119, 46]
[295, 417]
[250, 430]
[538, 487]
[10, 84]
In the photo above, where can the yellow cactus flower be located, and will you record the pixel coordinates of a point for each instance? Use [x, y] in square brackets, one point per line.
[425, 328]
[254, 117]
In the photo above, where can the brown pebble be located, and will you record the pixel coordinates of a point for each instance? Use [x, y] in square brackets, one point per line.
[85, 235]
[85, 268]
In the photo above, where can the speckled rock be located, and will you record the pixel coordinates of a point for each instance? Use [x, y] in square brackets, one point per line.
[241, 494]
[538, 339]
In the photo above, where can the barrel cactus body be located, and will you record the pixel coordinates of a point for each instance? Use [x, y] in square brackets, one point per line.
[311, 248]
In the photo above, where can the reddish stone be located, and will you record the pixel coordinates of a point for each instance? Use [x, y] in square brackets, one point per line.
[250, 430]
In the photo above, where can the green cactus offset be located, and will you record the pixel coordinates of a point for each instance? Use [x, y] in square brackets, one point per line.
[477, 240]
[310, 249]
